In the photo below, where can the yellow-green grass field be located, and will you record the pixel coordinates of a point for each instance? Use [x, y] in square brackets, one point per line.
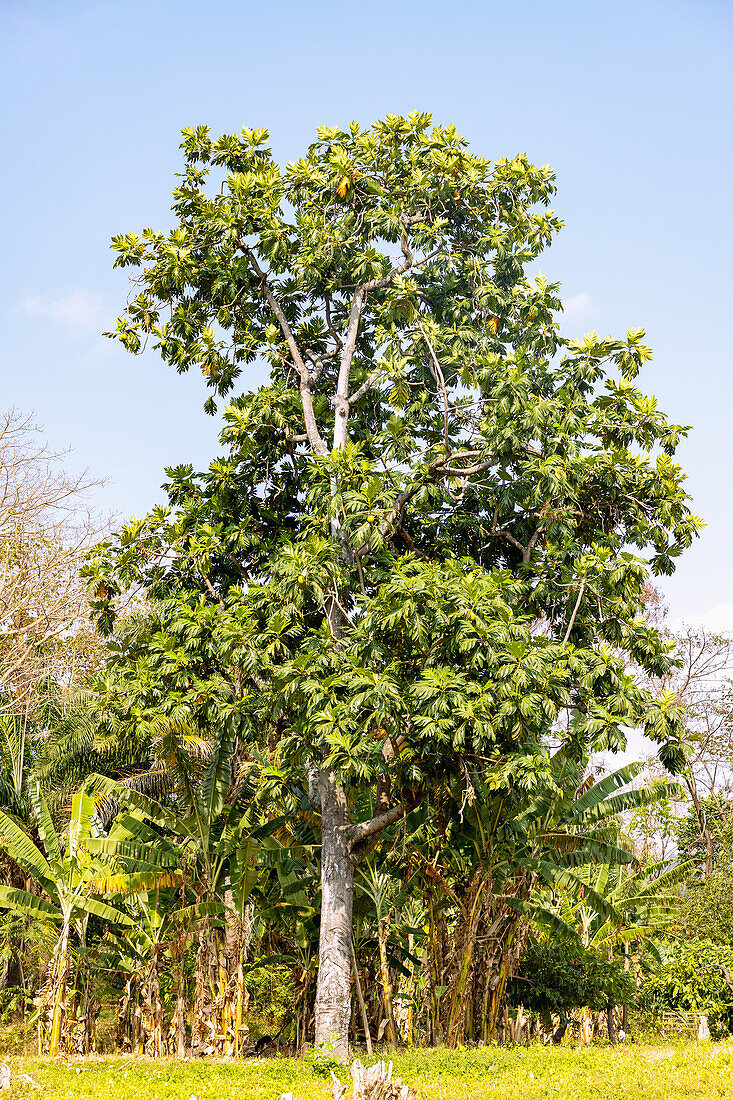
[640, 1071]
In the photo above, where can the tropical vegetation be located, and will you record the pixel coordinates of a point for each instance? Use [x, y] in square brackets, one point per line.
[337, 734]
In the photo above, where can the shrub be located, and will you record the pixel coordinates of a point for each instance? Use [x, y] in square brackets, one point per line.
[556, 977]
[695, 978]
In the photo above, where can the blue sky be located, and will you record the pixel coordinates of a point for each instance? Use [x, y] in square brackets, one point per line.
[630, 103]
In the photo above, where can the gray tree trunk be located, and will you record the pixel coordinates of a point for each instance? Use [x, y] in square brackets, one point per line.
[333, 991]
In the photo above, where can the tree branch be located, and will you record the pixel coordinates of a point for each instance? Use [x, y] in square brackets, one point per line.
[355, 834]
[378, 284]
[365, 386]
[277, 310]
[466, 471]
[341, 400]
[575, 610]
[306, 397]
[438, 374]
[384, 525]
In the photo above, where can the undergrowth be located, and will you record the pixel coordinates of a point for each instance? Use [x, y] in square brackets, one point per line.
[644, 1072]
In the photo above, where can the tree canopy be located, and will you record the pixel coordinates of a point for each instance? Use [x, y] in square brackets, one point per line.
[425, 547]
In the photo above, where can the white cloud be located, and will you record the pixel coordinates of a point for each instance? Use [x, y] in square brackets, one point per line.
[78, 311]
[580, 309]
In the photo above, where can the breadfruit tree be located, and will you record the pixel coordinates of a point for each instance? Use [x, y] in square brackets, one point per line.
[425, 547]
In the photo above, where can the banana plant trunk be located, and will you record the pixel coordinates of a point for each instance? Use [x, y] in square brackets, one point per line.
[220, 1023]
[207, 974]
[383, 935]
[457, 1019]
[177, 1036]
[84, 1007]
[236, 950]
[411, 990]
[151, 1008]
[56, 996]
[333, 991]
[510, 941]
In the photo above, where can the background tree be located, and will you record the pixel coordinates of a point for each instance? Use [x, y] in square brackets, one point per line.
[430, 534]
[47, 646]
[45, 530]
[705, 691]
[707, 909]
[697, 976]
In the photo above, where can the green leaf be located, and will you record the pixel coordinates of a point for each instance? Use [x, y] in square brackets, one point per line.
[22, 849]
[103, 910]
[46, 831]
[218, 774]
[153, 811]
[20, 901]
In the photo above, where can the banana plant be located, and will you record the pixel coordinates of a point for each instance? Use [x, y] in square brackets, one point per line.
[215, 838]
[137, 955]
[644, 899]
[397, 917]
[146, 867]
[570, 826]
[64, 872]
[499, 853]
[379, 888]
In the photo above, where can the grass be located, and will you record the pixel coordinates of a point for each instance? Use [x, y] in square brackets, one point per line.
[536, 1073]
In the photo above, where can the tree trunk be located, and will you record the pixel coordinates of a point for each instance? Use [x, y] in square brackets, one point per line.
[333, 991]
[702, 821]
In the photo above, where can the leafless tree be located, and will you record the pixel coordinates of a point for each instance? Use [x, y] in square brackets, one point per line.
[704, 688]
[45, 529]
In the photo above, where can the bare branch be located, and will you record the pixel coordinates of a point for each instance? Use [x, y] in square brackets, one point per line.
[45, 531]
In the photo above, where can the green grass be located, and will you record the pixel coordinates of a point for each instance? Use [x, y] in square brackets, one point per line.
[536, 1073]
